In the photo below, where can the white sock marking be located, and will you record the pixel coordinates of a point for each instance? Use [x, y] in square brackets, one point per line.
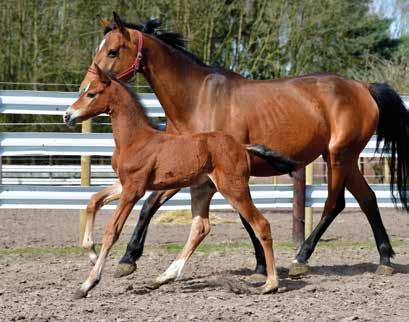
[174, 271]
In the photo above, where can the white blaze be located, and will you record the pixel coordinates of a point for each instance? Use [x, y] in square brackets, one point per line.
[101, 44]
[87, 88]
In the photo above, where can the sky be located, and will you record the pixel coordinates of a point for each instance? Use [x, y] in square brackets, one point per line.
[397, 10]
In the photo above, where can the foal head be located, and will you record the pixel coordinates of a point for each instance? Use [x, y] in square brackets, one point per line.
[95, 99]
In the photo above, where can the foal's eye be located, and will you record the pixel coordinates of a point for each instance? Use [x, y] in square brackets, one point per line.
[91, 95]
[112, 53]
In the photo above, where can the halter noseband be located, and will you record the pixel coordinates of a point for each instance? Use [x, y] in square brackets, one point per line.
[131, 71]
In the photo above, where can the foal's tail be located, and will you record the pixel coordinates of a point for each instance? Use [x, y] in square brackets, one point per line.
[393, 129]
[278, 162]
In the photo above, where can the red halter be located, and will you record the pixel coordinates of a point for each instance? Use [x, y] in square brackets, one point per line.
[131, 71]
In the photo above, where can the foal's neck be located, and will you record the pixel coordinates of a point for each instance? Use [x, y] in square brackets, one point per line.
[175, 79]
[130, 125]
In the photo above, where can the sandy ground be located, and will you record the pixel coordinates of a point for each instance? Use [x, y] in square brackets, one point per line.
[38, 274]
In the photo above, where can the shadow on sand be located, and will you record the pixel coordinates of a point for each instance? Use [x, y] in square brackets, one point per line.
[243, 281]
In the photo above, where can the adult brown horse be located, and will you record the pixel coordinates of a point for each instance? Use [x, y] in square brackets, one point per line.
[146, 158]
[302, 118]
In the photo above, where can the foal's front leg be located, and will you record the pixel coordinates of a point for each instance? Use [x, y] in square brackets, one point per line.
[112, 231]
[97, 201]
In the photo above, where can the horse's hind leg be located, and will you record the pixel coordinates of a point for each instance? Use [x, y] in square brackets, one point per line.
[201, 197]
[96, 202]
[366, 198]
[338, 168]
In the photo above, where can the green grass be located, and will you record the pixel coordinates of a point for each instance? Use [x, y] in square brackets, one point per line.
[206, 248]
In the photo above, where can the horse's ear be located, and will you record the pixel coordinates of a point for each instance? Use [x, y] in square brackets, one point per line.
[104, 78]
[103, 22]
[120, 25]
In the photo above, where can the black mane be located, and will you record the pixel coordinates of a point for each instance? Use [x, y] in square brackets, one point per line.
[172, 38]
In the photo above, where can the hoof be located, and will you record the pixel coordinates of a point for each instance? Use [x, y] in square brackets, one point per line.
[269, 287]
[162, 281]
[297, 270]
[156, 284]
[79, 294]
[384, 270]
[124, 269]
[256, 278]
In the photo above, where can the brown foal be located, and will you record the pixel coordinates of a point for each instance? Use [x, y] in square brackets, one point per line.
[301, 117]
[148, 159]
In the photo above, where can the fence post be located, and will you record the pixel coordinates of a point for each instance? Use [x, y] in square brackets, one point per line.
[298, 207]
[309, 171]
[386, 171]
[85, 176]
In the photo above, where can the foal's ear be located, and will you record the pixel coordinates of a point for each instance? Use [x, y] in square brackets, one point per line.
[103, 22]
[104, 78]
[120, 25]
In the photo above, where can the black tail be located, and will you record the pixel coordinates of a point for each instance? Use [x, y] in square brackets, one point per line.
[393, 129]
[275, 159]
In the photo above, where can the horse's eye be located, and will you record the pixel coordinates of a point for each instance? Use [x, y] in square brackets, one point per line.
[112, 53]
[91, 95]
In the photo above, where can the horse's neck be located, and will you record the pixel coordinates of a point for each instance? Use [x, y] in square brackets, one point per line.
[129, 123]
[175, 79]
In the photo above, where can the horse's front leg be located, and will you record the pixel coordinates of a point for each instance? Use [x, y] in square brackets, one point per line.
[97, 201]
[135, 246]
[112, 231]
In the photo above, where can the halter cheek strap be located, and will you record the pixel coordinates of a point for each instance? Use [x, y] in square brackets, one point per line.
[131, 71]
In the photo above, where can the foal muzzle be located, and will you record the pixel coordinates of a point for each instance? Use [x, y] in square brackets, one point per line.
[70, 116]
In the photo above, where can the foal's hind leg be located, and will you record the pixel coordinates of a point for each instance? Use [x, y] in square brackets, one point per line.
[237, 192]
[96, 202]
[366, 198]
[262, 229]
[201, 197]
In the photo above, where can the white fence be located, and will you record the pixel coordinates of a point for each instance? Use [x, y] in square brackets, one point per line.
[40, 193]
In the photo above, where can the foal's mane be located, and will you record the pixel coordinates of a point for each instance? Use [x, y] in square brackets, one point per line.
[137, 100]
[171, 38]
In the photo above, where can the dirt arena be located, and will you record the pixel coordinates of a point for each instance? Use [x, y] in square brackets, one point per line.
[41, 266]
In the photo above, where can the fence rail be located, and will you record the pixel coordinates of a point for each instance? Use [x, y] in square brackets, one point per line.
[41, 194]
[264, 196]
[102, 144]
[55, 103]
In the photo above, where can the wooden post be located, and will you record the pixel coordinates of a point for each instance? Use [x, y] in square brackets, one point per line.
[298, 207]
[386, 171]
[308, 210]
[85, 177]
[362, 166]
